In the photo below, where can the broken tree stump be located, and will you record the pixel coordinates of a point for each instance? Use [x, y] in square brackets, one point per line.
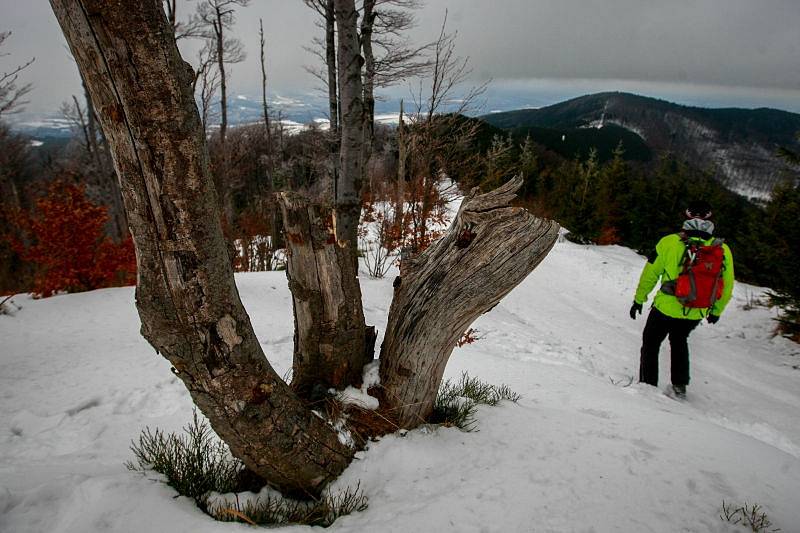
[488, 250]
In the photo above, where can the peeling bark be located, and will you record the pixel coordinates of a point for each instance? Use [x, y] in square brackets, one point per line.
[186, 297]
[332, 342]
[488, 250]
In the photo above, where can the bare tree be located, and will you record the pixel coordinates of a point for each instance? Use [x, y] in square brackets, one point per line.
[213, 20]
[187, 300]
[268, 159]
[368, 86]
[398, 59]
[332, 341]
[73, 113]
[11, 95]
[348, 185]
[389, 57]
[181, 29]
[447, 73]
[207, 78]
[267, 128]
[186, 296]
[325, 51]
[433, 144]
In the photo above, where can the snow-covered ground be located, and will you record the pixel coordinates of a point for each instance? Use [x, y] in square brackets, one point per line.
[580, 452]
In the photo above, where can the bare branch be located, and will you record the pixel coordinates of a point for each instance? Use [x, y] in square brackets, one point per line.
[11, 95]
[73, 113]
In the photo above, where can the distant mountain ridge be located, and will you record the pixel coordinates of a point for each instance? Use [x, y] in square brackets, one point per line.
[739, 145]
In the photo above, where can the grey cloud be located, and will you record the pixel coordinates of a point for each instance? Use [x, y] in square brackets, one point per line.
[734, 43]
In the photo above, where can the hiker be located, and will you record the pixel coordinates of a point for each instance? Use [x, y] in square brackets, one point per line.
[696, 274]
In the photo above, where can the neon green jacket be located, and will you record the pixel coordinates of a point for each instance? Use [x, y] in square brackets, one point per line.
[666, 266]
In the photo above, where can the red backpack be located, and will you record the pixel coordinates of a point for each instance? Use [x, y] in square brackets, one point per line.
[700, 284]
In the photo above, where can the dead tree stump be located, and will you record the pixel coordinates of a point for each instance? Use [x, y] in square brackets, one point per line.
[488, 250]
[331, 340]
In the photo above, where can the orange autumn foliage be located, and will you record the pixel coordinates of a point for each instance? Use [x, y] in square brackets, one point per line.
[63, 238]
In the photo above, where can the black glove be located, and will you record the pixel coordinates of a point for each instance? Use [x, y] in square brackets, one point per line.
[712, 319]
[635, 308]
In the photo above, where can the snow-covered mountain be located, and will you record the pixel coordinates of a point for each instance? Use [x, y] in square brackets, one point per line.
[585, 449]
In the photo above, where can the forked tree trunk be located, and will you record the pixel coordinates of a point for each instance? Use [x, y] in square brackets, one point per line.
[332, 343]
[488, 250]
[187, 300]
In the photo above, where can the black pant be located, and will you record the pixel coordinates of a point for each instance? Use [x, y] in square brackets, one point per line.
[657, 328]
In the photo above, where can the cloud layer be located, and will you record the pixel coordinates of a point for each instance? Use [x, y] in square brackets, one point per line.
[732, 43]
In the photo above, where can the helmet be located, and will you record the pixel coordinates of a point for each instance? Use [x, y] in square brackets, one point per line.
[698, 227]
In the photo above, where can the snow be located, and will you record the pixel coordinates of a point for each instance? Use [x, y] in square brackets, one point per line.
[581, 451]
[360, 397]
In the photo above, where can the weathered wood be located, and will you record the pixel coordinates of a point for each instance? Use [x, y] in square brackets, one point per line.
[488, 250]
[332, 342]
[187, 300]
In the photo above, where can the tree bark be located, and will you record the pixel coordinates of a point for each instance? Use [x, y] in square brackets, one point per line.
[488, 250]
[264, 94]
[348, 189]
[332, 343]
[187, 300]
[106, 171]
[330, 61]
[367, 22]
[402, 175]
[223, 83]
[225, 188]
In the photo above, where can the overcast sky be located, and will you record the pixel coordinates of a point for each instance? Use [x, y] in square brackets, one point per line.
[746, 51]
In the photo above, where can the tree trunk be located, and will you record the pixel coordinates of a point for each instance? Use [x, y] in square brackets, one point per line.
[367, 23]
[332, 343]
[264, 94]
[402, 176]
[187, 300]
[348, 190]
[488, 250]
[225, 187]
[333, 92]
[223, 83]
[330, 61]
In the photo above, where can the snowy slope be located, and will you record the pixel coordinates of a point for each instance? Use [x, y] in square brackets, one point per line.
[580, 452]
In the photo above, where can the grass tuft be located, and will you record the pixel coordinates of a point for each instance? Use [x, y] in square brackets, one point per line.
[749, 516]
[271, 511]
[196, 463]
[457, 401]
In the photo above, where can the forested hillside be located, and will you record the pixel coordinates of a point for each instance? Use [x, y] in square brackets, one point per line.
[737, 146]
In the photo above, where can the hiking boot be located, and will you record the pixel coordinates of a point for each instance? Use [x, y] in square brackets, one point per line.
[680, 391]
